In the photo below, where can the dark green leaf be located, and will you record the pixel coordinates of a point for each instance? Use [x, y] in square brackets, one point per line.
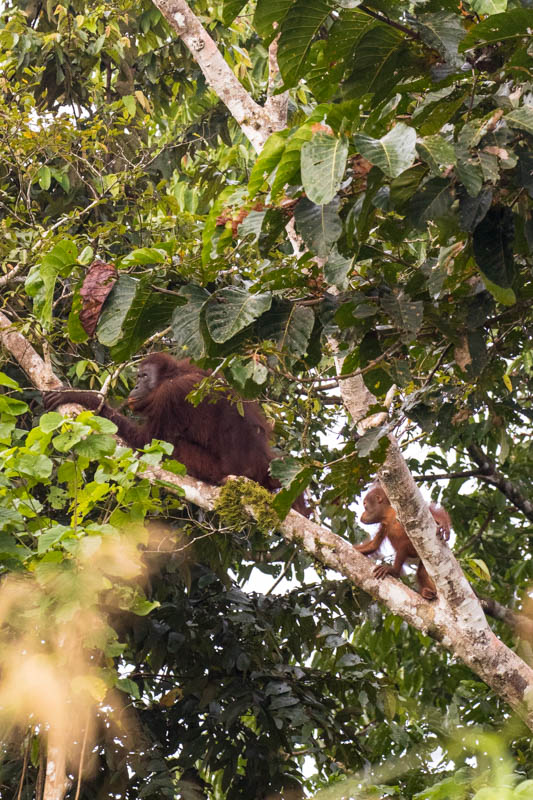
[323, 164]
[231, 309]
[319, 226]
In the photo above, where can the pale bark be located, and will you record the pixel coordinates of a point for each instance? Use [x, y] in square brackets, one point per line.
[56, 782]
[256, 122]
[455, 618]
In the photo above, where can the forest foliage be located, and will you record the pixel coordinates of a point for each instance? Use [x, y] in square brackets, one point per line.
[407, 167]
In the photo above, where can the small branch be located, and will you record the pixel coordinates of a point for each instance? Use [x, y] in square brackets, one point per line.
[476, 536]
[447, 476]
[4, 279]
[390, 22]
[284, 572]
[519, 623]
[490, 474]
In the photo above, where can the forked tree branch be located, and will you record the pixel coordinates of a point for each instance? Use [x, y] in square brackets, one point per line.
[455, 619]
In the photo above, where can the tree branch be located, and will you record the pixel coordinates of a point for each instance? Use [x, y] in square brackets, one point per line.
[490, 474]
[256, 122]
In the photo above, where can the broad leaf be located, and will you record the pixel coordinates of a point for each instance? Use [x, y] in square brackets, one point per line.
[492, 240]
[289, 165]
[267, 161]
[393, 153]
[323, 164]
[319, 226]
[303, 21]
[186, 322]
[231, 309]
[521, 118]
[118, 303]
[509, 25]
[269, 15]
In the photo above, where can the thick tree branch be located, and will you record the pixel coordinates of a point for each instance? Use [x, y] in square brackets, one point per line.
[455, 619]
[256, 122]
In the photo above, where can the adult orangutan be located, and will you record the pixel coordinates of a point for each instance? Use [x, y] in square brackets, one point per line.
[212, 439]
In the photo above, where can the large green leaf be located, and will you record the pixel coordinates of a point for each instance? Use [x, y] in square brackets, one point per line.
[41, 280]
[330, 59]
[407, 314]
[149, 312]
[187, 322]
[493, 240]
[267, 161]
[376, 58]
[132, 312]
[509, 25]
[323, 164]
[319, 226]
[289, 166]
[432, 202]
[269, 14]
[289, 326]
[393, 153]
[521, 117]
[303, 21]
[115, 309]
[487, 7]
[231, 309]
[231, 10]
[436, 151]
[443, 32]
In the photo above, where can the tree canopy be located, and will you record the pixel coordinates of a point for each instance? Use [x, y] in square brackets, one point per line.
[329, 203]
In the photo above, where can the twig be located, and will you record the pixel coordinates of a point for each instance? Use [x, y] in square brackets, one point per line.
[476, 536]
[284, 572]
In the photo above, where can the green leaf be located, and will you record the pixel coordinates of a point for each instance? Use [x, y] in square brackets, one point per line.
[66, 441]
[376, 57]
[484, 8]
[34, 465]
[145, 255]
[231, 9]
[443, 32]
[267, 161]
[45, 178]
[493, 251]
[294, 477]
[186, 321]
[52, 536]
[509, 25]
[269, 15]
[149, 312]
[95, 446]
[5, 380]
[393, 153]
[130, 104]
[12, 406]
[231, 309]
[303, 21]
[319, 226]
[436, 151]
[323, 164]
[297, 330]
[521, 118]
[289, 166]
[468, 170]
[41, 280]
[407, 314]
[473, 209]
[51, 421]
[337, 268]
[9, 517]
[115, 310]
